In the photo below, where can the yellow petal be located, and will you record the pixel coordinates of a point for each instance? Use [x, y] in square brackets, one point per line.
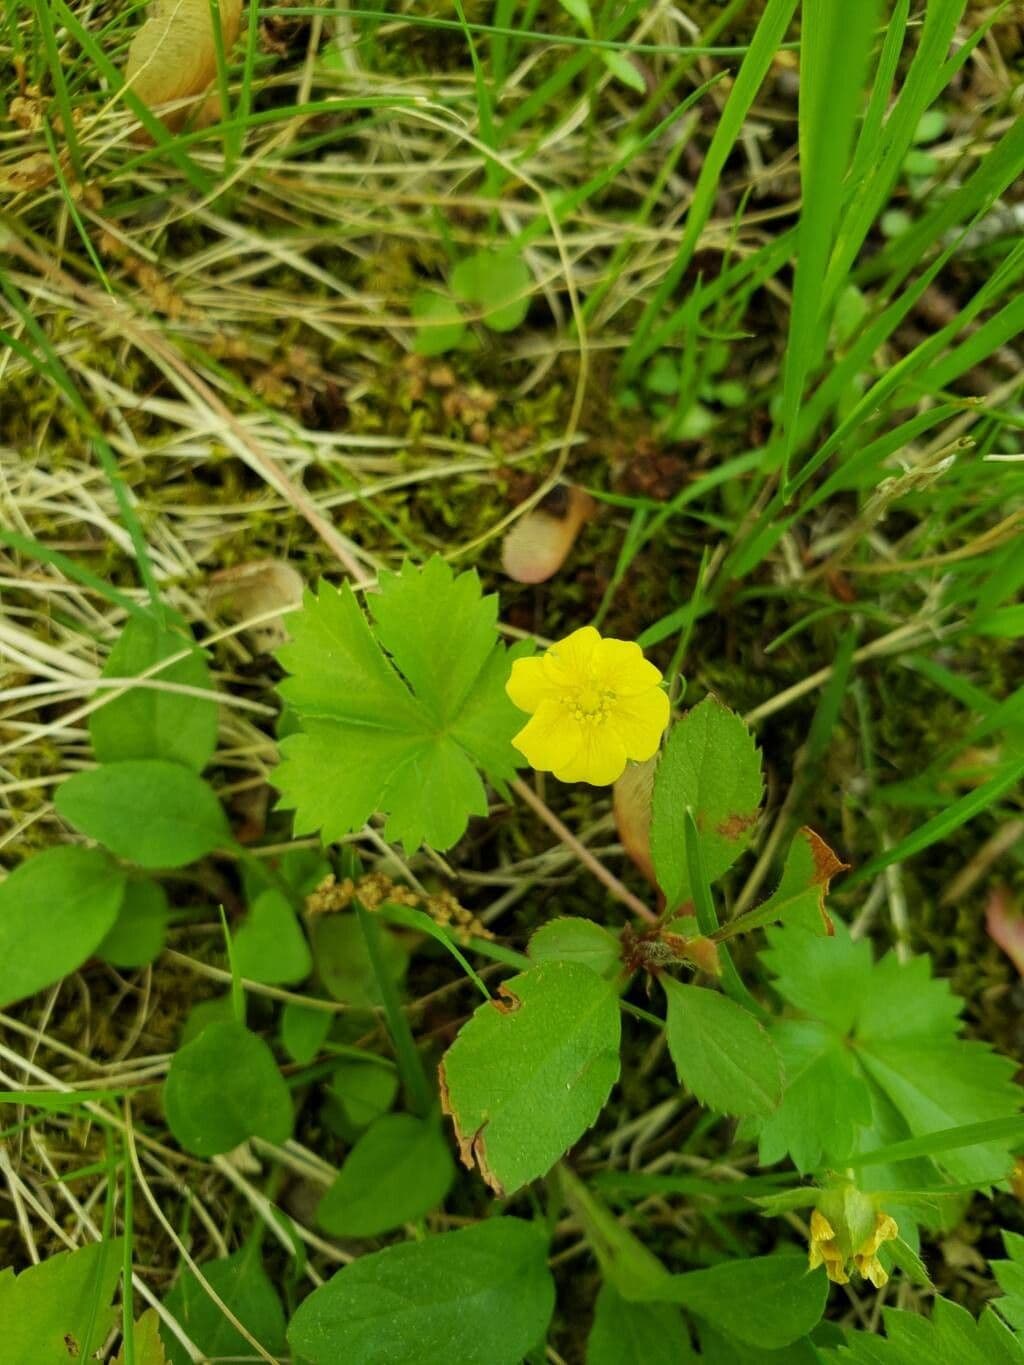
[834, 1270]
[640, 722]
[600, 760]
[814, 1256]
[567, 663]
[528, 684]
[821, 1229]
[620, 666]
[872, 1269]
[551, 739]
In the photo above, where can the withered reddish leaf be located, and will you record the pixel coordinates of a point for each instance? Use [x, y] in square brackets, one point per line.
[537, 545]
[631, 804]
[1005, 924]
[800, 895]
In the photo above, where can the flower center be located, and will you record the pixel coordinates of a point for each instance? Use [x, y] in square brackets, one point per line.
[590, 704]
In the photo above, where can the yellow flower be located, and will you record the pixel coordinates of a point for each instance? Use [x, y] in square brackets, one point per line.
[594, 703]
[824, 1249]
[827, 1248]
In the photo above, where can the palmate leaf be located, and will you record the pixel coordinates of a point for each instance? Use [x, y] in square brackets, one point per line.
[877, 1057]
[400, 717]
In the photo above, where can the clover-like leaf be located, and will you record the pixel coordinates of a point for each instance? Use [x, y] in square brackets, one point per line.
[400, 719]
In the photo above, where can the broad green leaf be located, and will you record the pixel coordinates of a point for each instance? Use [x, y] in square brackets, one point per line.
[140, 930]
[625, 1333]
[343, 962]
[721, 1052]
[950, 1336]
[480, 1296]
[147, 721]
[362, 1091]
[399, 1170]
[367, 743]
[148, 811]
[224, 1087]
[709, 763]
[577, 940]
[244, 1286]
[440, 326]
[768, 1301]
[499, 284]
[60, 1309]
[800, 895]
[215, 1011]
[270, 945]
[55, 910]
[531, 1070]
[303, 1031]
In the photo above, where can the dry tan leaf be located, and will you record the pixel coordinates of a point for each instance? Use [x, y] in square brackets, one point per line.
[248, 590]
[1005, 924]
[174, 55]
[631, 803]
[30, 173]
[537, 545]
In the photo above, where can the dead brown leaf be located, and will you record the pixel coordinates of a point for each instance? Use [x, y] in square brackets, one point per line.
[174, 57]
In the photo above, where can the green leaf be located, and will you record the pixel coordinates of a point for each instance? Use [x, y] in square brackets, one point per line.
[949, 1337]
[768, 1301]
[627, 1333]
[270, 945]
[303, 1031]
[244, 1286]
[721, 1052]
[880, 1043]
[480, 1296]
[147, 721]
[55, 910]
[363, 1091]
[710, 763]
[626, 1264]
[147, 1346]
[149, 811]
[622, 69]
[577, 940]
[499, 283]
[60, 1308]
[800, 895]
[1010, 1277]
[140, 930]
[530, 1072]
[224, 1087]
[370, 744]
[580, 11]
[440, 326]
[399, 1170]
[343, 962]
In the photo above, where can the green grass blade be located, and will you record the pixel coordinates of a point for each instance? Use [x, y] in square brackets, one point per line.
[833, 62]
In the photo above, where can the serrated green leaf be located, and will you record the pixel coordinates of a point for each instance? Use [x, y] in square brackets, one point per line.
[147, 1345]
[148, 811]
[499, 283]
[149, 721]
[781, 1299]
[577, 940]
[480, 1296]
[721, 1053]
[243, 1285]
[270, 946]
[530, 1072]
[711, 764]
[399, 1170]
[139, 933]
[1010, 1277]
[60, 1309]
[367, 743]
[55, 910]
[625, 1333]
[949, 1337]
[880, 1049]
[800, 895]
[224, 1087]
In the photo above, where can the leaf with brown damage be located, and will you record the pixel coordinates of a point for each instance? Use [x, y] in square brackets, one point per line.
[800, 895]
[527, 1077]
[174, 57]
